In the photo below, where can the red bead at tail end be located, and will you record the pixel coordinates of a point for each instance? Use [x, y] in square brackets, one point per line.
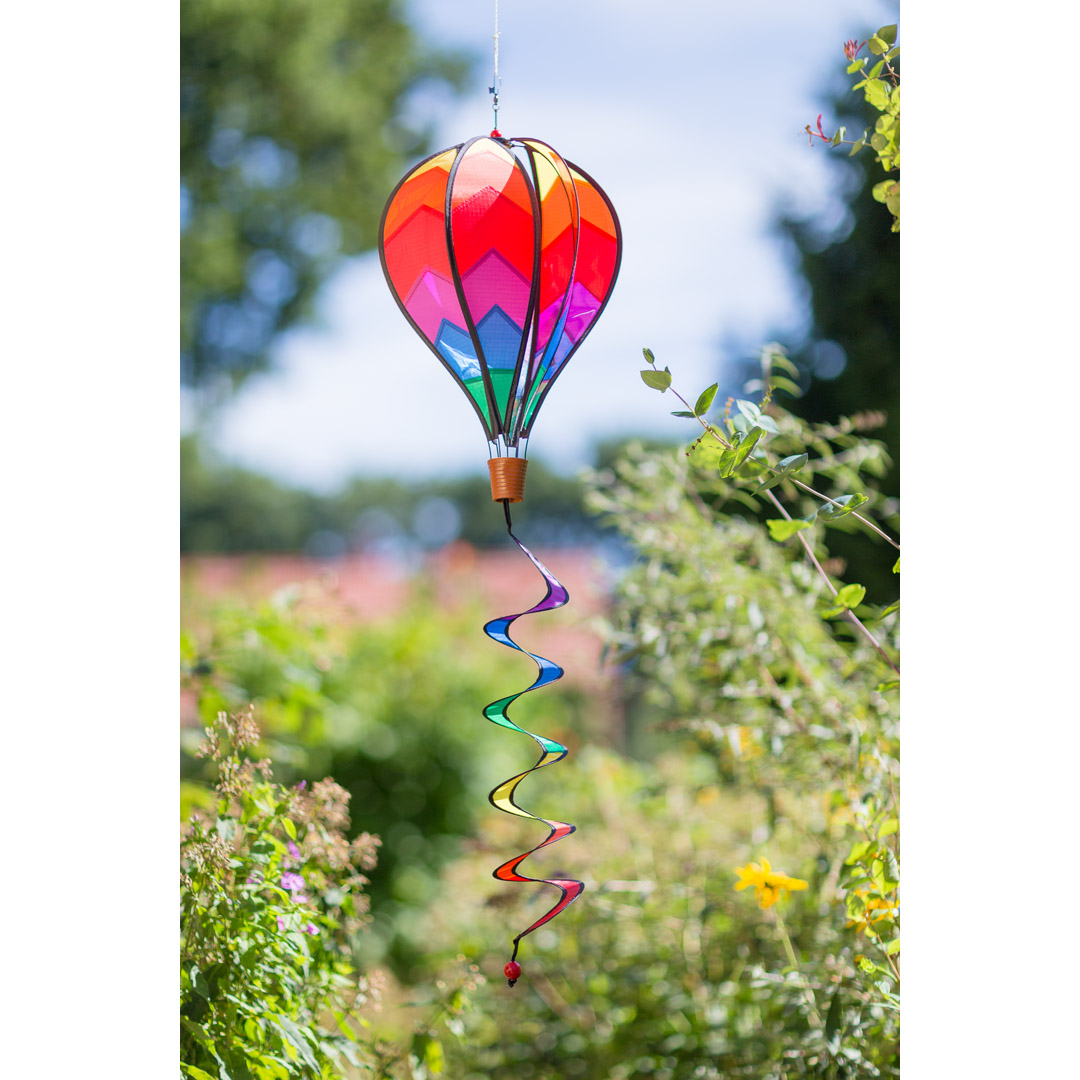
[512, 971]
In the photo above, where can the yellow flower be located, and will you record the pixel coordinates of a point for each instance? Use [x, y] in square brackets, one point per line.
[876, 910]
[770, 885]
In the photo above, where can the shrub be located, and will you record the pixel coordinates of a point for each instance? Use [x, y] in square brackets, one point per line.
[271, 893]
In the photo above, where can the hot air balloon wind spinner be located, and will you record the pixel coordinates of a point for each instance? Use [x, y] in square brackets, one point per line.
[502, 255]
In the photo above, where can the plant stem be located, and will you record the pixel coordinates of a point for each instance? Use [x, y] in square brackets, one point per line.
[869, 524]
[701, 420]
[848, 614]
[793, 960]
[806, 487]
[888, 955]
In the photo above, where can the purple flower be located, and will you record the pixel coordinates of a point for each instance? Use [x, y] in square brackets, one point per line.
[294, 851]
[280, 922]
[301, 785]
[292, 882]
[310, 929]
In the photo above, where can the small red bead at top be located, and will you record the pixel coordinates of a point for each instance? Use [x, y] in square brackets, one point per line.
[512, 970]
[495, 133]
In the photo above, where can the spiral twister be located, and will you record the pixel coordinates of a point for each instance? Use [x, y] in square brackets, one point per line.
[550, 750]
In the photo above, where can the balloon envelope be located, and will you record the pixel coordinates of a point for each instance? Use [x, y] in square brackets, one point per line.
[502, 261]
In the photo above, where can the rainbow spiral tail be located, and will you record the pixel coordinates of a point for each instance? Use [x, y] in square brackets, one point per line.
[550, 751]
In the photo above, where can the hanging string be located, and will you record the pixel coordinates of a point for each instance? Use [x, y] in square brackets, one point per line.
[496, 85]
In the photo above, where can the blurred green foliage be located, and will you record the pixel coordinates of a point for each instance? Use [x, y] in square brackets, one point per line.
[229, 509]
[293, 130]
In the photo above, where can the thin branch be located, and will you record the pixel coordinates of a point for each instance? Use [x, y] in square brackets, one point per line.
[848, 613]
[806, 487]
[793, 960]
[865, 521]
[884, 949]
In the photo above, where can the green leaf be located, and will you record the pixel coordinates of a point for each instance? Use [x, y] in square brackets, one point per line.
[854, 905]
[856, 65]
[876, 70]
[846, 598]
[877, 872]
[649, 357]
[859, 144]
[297, 1039]
[789, 387]
[770, 482]
[857, 852]
[838, 137]
[683, 412]
[658, 380]
[887, 34]
[893, 947]
[434, 1058]
[877, 46]
[199, 983]
[775, 356]
[194, 1072]
[888, 827]
[892, 867]
[841, 507]
[782, 529]
[746, 445]
[851, 595]
[290, 828]
[785, 467]
[793, 463]
[705, 400]
[894, 606]
[877, 93]
[749, 410]
[727, 463]
[767, 423]
[198, 1031]
[887, 684]
[832, 1019]
[706, 452]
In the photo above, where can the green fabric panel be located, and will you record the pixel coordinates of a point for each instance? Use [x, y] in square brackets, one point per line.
[502, 383]
[476, 388]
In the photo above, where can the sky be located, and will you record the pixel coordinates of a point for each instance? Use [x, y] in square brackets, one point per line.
[692, 118]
